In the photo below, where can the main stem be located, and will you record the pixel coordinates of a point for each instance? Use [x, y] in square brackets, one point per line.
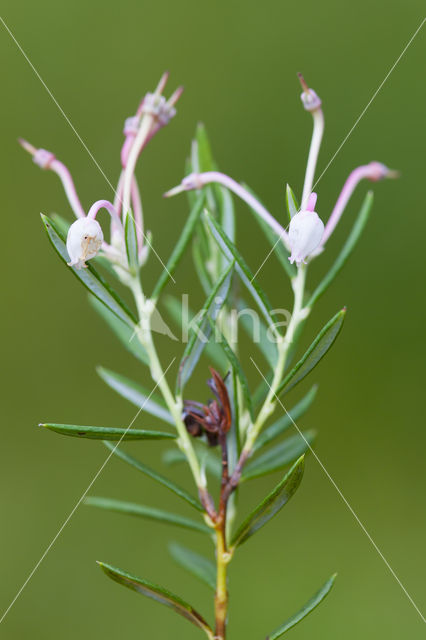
[222, 554]
[221, 597]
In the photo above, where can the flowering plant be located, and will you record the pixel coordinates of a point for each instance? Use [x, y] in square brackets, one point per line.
[231, 440]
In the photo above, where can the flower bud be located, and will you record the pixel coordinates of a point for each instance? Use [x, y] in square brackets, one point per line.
[84, 240]
[305, 235]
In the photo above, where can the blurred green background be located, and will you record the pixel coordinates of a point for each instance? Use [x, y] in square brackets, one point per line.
[238, 63]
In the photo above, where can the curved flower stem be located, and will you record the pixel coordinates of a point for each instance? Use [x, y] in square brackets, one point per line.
[141, 138]
[137, 212]
[199, 180]
[46, 160]
[317, 133]
[373, 171]
[105, 204]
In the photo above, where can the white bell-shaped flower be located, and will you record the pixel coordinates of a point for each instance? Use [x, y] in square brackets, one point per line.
[305, 235]
[84, 240]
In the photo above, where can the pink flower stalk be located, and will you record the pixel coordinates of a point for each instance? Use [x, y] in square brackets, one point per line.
[199, 180]
[373, 171]
[47, 160]
[311, 103]
[153, 113]
[106, 204]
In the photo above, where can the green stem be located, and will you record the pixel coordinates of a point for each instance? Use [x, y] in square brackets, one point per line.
[145, 308]
[221, 597]
[284, 344]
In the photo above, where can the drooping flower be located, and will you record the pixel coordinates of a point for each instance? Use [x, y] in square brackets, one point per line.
[153, 113]
[305, 232]
[84, 241]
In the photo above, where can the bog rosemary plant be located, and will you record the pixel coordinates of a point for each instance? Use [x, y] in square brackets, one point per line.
[232, 439]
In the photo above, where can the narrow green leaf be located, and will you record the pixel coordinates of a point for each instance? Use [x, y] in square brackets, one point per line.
[231, 252]
[200, 265]
[136, 394]
[262, 389]
[315, 352]
[235, 364]
[131, 241]
[233, 441]
[309, 606]
[90, 278]
[207, 458]
[106, 433]
[183, 319]
[143, 511]
[124, 333]
[270, 506]
[201, 330]
[154, 475]
[274, 240]
[282, 424]
[257, 332]
[194, 563]
[205, 155]
[291, 202]
[279, 456]
[228, 214]
[62, 224]
[157, 593]
[347, 249]
[180, 246]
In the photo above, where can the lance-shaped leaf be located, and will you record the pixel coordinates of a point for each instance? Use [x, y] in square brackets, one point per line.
[228, 213]
[231, 252]
[180, 246]
[233, 441]
[143, 511]
[315, 352]
[201, 330]
[136, 394]
[282, 424]
[158, 477]
[183, 317]
[124, 333]
[157, 593]
[131, 241]
[274, 239]
[309, 606]
[106, 433]
[258, 332]
[262, 389]
[200, 265]
[235, 364]
[62, 224]
[90, 278]
[270, 506]
[279, 456]
[194, 563]
[291, 202]
[204, 161]
[347, 249]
